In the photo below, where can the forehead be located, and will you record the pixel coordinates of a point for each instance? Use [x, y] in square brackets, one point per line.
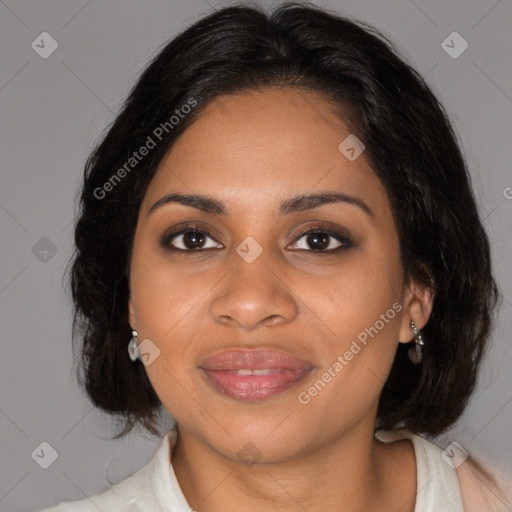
[249, 147]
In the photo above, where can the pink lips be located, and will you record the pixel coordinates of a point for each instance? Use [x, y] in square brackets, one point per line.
[253, 375]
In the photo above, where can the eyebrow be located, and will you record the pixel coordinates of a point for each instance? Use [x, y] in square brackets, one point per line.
[293, 204]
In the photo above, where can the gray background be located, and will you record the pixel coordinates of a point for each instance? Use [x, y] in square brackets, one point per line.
[53, 110]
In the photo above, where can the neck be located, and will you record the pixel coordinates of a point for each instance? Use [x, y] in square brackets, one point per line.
[354, 472]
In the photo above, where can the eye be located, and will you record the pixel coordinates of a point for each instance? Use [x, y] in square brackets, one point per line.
[188, 239]
[322, 240]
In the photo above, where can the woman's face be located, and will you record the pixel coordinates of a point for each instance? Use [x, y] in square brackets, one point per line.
[261, 286]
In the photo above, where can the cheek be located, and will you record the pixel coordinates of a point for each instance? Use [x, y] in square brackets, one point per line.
[357, 359]
[164, 302]
[355, 295]
[162, 294]
[170, 307]
[360, 305]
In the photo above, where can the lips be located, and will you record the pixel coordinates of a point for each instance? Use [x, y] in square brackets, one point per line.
[253, 375]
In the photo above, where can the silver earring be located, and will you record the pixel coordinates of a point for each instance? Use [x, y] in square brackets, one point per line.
[133, 347]
[415, 354]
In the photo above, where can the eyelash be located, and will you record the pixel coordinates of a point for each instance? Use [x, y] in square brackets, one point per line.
[319, 229]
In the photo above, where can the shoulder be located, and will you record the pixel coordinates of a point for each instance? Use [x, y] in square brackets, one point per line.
[112, 500]
[136, 489]
[142, 489]
[480, 489]
[453, 476]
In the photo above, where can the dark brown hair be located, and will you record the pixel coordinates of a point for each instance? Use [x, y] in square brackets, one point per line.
[410, 145]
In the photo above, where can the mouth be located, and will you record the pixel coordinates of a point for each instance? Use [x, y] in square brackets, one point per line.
[253, 375]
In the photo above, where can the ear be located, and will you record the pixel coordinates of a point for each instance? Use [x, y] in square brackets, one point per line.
[417, 301]
[131, 315]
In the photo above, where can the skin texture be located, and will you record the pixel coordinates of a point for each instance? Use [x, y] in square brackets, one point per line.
[252, 151]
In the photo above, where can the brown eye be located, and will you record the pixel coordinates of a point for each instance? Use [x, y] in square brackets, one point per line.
[317, 240]
[187, 240]
[322, 240]
[193, 239]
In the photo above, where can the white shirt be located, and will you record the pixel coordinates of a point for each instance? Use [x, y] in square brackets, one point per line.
[154, 487]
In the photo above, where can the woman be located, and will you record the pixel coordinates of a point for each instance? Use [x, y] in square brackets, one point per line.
[278, 243]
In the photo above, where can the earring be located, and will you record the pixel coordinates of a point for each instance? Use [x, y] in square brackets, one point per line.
[415, 354]
[133, 347]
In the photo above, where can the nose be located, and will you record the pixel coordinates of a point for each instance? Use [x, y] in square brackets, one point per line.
[254, 294]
